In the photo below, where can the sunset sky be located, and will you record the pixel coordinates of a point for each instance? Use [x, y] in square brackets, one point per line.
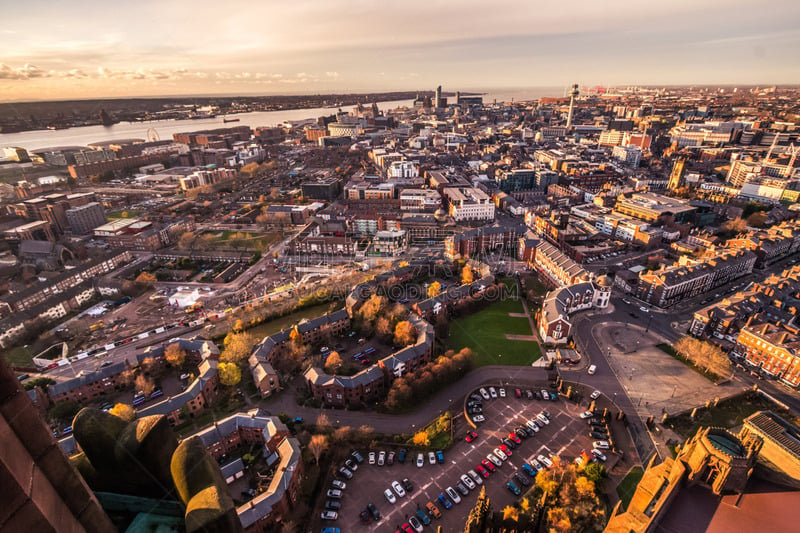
[88, 49]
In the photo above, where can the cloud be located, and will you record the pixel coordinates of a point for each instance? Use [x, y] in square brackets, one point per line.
[332, 74]
[25, 72]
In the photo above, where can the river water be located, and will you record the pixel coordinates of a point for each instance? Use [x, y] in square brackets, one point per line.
[82, 136]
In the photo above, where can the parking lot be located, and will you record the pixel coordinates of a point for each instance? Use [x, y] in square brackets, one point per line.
[566, 436]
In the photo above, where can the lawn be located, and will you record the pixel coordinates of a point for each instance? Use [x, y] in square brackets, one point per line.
[627, 486]
[485, 333]
[19, 356]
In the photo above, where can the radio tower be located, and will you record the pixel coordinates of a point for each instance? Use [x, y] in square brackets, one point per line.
[572, 94]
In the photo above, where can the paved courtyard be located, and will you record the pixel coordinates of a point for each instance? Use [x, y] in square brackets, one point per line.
[565, 436]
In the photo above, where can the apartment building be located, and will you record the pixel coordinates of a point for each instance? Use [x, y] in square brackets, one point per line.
[555, 326]
[469, 204]
[559, 269]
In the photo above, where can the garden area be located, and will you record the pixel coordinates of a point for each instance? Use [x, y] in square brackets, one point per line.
[628, 485]
[437, 434]
[485, 334]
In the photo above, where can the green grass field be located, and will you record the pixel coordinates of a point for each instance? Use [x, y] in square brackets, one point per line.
[19, 356]
[485, 333]
[627, 486]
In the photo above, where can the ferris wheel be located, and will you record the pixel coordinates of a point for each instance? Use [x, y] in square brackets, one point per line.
[152, 135]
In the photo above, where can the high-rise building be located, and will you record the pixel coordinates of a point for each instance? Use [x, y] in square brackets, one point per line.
[41, 489]
[437, 103]
[85, 218]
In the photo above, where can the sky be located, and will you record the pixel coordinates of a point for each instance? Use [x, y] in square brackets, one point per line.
[89, 48]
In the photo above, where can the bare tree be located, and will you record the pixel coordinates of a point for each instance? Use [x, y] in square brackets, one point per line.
[317, 446]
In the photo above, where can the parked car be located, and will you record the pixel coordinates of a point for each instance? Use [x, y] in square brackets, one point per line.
[415, 523]
[346, 473]
[351, 464]
[483, 472]
[522, 432]
[439, 456]
[598, 435]
[475, 477]
[398, 488]
[529, 394]
[587, 414]
[471, 436]
[513, 488]
[433, 510]
[329, 515]
[533, 426]
[381, 458]
[522, 479]
[592, 369]
[333, 505]
[514, 437]
[444, 502]
[505, 449]
[365, 516]
[518, 393]
[372, 458]
[357, 456]
[595, 395]
[420, 460]
[544, 460]
[502, 392]
[492, 392]
[451, 492]
[401, 457]
[497, 457]
[390, 458]
[600, 455]
[389, 496]
[489, 464]
[484, 394]
[334, 493]
[478, 418]
[601, 445]
[508, 443]
[467, 481]
[528, 469]
[341, 485]
[543, 419]
[432, 458]
[423, 517]
[376, 515]
[407, 485]
[462, 488]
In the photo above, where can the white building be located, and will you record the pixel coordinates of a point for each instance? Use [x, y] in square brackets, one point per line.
[469, 203]
[629, 155]
[420, 200]
[403, 169]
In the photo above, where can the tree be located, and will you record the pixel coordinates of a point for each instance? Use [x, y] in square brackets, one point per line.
[175, 355]
[65, 410]
[144, 384]
[323, 420]
[42, 381]
[317, 446]
[467, 276]
[187, 240]
[229, 374]
[757, 220]
[333, 362]
[238, 326]
[434, 289]
[421, 438]
[373, 308]
[703, 355]
[595, 472]
[237, 347]
[405, 334]
[123, 411]
[510, 513]
[734, 226]
[477, 515]
[341, 434]
[145, 279]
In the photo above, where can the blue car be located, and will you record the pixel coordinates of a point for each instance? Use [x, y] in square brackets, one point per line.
[401, 457]
[330, 530]
[423, 516]
[444, 501]
[439, 456]
[513, 488]
[528, 469]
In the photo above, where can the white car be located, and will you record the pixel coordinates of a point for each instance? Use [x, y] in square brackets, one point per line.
[537, 465]
[595, 395]
[533, 425]
[544, 460]
[398, 488]
[341, 485]
[329, 515]
[475, 477]
[545, 395]
[431, 458]
[601, 445]
[543, 419]
[492, 392]
[420, 460]
[499, 453]
[643, 309]
[372, 458]
[468, 482]
[587, 414]
[478, 418]
[453, 494]
[381, 458]
[494, 459]
[484, 394]
[502, 392]
[389, 495]
[600, 455]
[592, 369]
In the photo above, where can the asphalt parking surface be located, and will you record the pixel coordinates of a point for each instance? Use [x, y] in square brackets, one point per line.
[565, 436]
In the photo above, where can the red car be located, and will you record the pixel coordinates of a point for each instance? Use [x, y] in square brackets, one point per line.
[488, 465]
[514, 437]
[407, 528]
[505, 450]
[471, 436]
[518, 393]
[482, 471]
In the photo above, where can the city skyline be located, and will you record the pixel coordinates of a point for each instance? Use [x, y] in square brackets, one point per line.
[59, 52]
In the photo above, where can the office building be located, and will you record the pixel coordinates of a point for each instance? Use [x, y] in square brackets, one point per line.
[83, 219]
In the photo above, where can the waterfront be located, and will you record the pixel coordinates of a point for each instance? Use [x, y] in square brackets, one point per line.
[81, 136]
